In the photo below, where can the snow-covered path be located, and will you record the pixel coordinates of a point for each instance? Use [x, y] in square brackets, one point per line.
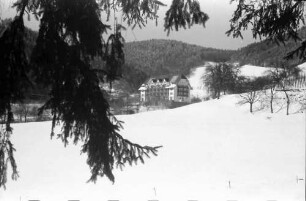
[199, 90]
[212, 150]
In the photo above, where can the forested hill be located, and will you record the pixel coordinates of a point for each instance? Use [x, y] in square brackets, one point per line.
[151, 57]
[266, 53]
[162, 57]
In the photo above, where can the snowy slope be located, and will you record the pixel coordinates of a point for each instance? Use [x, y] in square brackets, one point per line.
[200, 90]
[257, 71]
[302, 67]
[205, 145]
[254, 71]
[195, 80]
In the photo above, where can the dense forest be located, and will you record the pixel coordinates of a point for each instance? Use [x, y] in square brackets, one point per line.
[166, 57]
[266, 52]
[162, 57]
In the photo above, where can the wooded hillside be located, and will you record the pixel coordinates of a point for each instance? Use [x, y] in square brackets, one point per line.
[266, 53]
[160, 57]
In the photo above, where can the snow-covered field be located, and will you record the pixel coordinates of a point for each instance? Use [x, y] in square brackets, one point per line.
[254, 71]
[212, 151]
[258, 71]
[200, 90]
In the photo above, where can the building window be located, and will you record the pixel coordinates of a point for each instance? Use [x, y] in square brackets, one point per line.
[182, 91]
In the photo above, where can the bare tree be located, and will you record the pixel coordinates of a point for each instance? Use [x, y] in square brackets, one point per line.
[272, 95]
[220, 78]
[283, 88]
[25, 110]
[250, 97]
[283, 79]
[275, 77]
[252, 90]
[22, 110]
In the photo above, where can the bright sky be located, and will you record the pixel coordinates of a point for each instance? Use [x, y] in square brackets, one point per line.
[213, 35]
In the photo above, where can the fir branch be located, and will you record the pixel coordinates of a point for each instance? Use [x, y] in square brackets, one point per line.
[184, 14]
[6, 157]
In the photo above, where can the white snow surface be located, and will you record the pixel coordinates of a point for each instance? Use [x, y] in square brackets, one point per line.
[205, 146]
[302, 67]
[199, 90]
[254, 71]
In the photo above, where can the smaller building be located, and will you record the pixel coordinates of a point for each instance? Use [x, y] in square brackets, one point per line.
[176, 88]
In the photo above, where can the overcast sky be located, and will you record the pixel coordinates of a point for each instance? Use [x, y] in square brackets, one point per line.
[213, 35]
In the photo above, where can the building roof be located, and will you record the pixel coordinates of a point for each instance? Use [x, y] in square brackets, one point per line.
[176, 78]
[171, 86]
[172, 80]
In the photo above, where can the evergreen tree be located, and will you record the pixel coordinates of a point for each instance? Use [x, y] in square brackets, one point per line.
[71, 36]
[13, 80]
[276, 20]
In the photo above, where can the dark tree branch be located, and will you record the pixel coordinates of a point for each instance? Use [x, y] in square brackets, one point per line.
[183, 14]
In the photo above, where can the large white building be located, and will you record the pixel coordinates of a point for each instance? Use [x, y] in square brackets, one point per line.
[176, 88]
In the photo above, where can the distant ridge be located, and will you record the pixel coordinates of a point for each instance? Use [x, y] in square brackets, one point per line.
[162, 57]
[267, 53]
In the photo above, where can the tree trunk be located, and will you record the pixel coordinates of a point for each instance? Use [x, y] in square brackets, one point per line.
[110, 87]
[271, 104]
[288, 102]
[251, 107]
[271, 101]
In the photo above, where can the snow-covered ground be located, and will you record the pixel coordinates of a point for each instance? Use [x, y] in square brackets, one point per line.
[213, 150]
[254, 71]
[200, 90]
[303, 67]
[258, 71]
